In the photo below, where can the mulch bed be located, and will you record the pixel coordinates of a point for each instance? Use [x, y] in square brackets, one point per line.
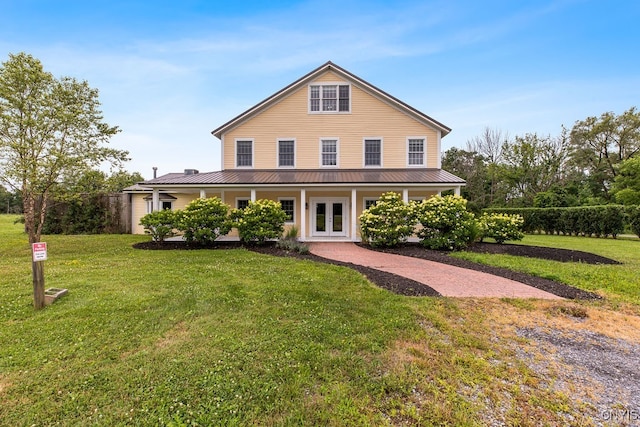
[408, 287]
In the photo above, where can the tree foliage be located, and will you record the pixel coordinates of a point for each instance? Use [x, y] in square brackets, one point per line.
[49, 128]
[473, 168]
[592, 164]
[600, 144]
[626, 186]
[533, 164]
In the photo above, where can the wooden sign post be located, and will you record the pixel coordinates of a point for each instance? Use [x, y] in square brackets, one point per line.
[39, 251]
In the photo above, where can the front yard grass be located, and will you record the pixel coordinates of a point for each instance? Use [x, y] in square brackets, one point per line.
[620, 284]
[232, 337]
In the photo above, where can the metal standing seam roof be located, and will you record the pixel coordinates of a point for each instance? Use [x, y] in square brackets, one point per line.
[298, 177]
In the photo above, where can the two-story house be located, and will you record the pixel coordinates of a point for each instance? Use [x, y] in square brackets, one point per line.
[326, 146]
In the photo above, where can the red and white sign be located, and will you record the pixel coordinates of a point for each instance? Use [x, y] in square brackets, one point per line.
[39, 251]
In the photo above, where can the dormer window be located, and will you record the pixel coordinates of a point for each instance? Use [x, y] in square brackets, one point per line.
[329, 98]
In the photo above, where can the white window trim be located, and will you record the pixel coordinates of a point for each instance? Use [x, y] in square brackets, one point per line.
[248, 199]
[278, 153]
[252, 152]
[160, 202]
[337, 152]
[337, 84]
[424, 154]
[293, 220]
[367, 199]
[364, 151]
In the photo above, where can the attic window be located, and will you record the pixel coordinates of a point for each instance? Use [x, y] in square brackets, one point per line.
[329, 98]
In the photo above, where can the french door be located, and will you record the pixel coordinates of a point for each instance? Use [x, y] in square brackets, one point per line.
[329, 217]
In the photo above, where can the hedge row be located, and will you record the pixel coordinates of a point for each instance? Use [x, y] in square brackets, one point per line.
[599, 221]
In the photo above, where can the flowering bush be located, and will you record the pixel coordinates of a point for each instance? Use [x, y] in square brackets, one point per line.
[388, 222]
[259, 221]
[203, 220]
[501, 227]
[159, 224]
[446, 223]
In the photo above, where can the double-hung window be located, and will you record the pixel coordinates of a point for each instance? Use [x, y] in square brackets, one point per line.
[415, 151]
[286, 153]
[329, 152]
[369, 202]
[244, 153]
[289, 207]
[330, 98]
[373, 152]
[242, 202]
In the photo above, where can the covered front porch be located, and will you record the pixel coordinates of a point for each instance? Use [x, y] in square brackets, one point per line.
[320, 213]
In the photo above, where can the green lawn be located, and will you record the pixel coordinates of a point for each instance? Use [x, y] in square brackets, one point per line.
[232, 337]
[618, 283]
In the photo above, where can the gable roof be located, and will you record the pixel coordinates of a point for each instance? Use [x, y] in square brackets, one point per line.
[330, 66]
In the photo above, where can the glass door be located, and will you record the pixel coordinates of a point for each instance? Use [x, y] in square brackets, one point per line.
[329, 217]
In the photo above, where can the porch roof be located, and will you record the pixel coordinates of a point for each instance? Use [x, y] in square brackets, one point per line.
[301, 177]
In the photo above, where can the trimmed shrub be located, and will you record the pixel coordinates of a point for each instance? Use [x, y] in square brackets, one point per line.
[501, 227]
[259, 221]
[446, 223]
[159, 224]
[387, 223]
[203, 220]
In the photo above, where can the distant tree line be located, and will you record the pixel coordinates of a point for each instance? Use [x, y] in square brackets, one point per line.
[594, 163]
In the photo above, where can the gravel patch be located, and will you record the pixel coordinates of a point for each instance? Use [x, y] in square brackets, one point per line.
[597, 370]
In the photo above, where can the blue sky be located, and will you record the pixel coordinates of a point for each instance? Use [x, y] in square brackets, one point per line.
[169, 72]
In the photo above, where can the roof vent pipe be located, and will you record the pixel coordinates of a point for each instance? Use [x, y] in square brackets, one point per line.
[191, 171]
[155, 172]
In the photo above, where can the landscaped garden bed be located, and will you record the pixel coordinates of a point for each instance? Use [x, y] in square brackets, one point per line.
[408, 287]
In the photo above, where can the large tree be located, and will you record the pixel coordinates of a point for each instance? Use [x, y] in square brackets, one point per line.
[626, 186]
[600, 144]
[49, 127]
[490, 145]
[533, 164]
[471, 167]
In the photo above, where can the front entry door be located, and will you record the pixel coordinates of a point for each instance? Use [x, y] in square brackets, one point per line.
[329, 217]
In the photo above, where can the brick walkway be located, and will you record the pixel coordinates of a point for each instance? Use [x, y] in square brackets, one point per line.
[450, 281]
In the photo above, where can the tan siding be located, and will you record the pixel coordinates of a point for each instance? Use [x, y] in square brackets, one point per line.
[369, 117]
[139, 208]
[231, 196]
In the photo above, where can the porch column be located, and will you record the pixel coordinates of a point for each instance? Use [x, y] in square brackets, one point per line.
[303, 214]
[354, 216]
[253, 194]
[457, 191]
[222, 195]
[203, 193]
[405, 195]
[155, 200]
